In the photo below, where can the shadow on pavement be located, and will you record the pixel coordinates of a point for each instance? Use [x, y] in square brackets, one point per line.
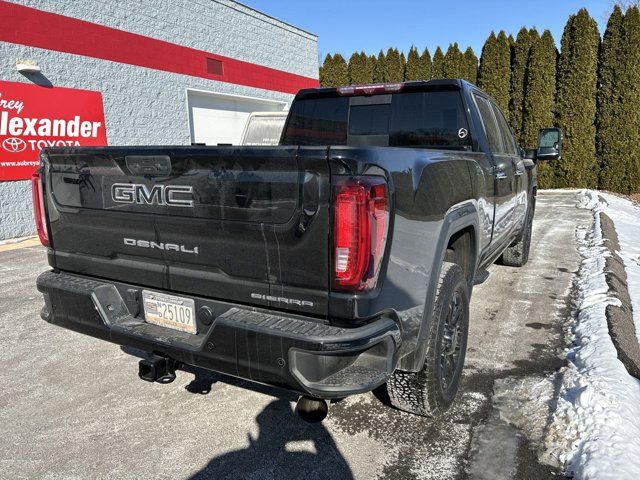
[273, 453]
[285, 446]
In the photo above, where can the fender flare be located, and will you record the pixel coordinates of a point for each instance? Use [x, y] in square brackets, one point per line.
[457, 218]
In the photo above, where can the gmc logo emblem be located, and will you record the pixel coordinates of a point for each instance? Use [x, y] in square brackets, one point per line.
[165, 195]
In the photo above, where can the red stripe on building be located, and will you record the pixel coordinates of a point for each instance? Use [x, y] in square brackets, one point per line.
[50, 31]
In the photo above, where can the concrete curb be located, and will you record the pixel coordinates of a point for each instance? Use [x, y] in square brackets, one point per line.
[14, 244]
[619, 318]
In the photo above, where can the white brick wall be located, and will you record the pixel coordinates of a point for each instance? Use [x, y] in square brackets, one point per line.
[144, 106]
[16, 211]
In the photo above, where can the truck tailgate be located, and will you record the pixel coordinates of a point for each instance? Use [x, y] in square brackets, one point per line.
[245, 224]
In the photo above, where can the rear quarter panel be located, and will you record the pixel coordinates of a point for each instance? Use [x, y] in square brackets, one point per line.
[425, 186]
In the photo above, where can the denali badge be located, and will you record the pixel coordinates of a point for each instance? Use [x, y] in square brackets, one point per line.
[174, 247]
[169, 195]
[288, 301]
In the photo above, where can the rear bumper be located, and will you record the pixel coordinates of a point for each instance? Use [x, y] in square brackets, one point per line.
[269, 347]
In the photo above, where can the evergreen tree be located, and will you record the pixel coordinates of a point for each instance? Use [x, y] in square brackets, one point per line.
[369, 67]
[631, 104]
[576, 102]
[521, 51]
[610, 68]
[453, 62]
[353, 66]
[470, 70]
[495, 69]
[437, 66]
[340, 71]
[621, 160]
[357, 68]
[426, 66]
[403, 60]
[394, 68]
[539, 100]
[413, 70]
[379, 68]
[326, 71]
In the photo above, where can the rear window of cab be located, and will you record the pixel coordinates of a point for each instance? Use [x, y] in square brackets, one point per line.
[431, 119]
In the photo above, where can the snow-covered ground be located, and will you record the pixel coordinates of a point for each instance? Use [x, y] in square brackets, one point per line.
[595, 430]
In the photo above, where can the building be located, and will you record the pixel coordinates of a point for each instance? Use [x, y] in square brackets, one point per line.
[174, 72]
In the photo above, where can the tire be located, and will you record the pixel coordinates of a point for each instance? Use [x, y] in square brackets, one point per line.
[517, 255]
[432, 390]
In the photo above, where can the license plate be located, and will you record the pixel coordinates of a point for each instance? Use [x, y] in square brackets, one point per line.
[169, 311]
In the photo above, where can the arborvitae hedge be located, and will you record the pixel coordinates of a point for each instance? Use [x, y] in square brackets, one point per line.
[437, 66]
[356, 67]
[341, 71]
[413, 69]
[495, 69]
[453, 62]
[379, 68]
[539, 83]
[597, 92]
[620, 135]
[576, 102]
[610, 67]
[630, 111]
[470, 69]
[539, 100]
[334, 71]
[426, 65]
[324, 71]
[521, 51]
[394, 69]
[369, 68]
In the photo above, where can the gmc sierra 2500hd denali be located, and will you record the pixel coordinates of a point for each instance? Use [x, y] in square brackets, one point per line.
[336, 262]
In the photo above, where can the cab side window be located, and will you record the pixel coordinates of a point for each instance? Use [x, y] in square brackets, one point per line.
[510, 146]
[490, 125]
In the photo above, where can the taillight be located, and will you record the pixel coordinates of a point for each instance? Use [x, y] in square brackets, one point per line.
[361, 222]
[38, 209]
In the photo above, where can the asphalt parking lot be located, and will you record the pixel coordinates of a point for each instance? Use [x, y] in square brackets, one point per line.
[73, 407]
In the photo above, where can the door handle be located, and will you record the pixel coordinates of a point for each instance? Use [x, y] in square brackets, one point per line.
[149, 165]
[518, 166]
[500, 175]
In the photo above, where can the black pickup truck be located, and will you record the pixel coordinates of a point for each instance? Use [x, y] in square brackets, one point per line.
[341, 260]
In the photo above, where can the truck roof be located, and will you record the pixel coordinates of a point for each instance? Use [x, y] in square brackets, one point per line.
[386, 88]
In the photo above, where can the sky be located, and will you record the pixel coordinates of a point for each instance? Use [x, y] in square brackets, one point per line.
[344, 26]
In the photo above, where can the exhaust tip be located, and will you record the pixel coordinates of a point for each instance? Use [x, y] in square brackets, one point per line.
[312, 410]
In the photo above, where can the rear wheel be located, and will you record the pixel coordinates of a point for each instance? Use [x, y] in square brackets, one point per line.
[432, 389]
[517, 255]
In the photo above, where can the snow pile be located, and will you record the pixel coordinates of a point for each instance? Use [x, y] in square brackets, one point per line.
[626, 218]
[595, 431]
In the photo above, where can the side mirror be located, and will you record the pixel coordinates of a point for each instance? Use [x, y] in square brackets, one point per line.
[549, 144]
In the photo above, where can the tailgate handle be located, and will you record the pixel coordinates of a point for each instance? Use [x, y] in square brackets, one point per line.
[148, 164]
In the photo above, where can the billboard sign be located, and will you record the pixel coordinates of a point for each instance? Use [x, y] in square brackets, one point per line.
[34, 117]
